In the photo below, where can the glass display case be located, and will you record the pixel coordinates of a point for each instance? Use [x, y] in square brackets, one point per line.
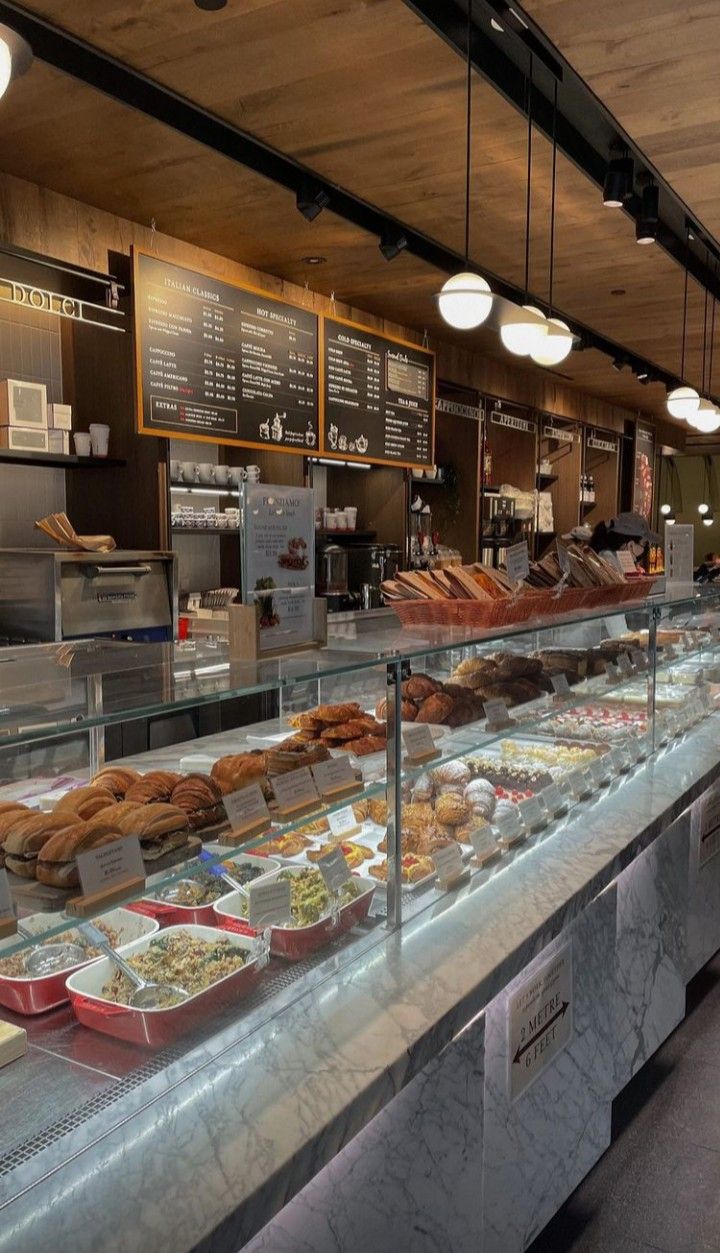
[242, 833]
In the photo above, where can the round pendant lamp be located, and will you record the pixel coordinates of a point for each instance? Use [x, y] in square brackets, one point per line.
[465, 300]
[683, 401]
[555, 345]
[15, 56]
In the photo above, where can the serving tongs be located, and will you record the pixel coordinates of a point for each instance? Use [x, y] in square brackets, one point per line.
[46, 959]
[147, 994]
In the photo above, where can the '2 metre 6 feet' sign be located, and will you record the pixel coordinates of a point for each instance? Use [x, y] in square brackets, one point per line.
[540, 1020]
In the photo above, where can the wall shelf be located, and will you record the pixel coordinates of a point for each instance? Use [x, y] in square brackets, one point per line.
[57, 460]
[205, 530]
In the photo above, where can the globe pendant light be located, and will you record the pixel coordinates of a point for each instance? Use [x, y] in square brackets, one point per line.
[683, 401]
[15, 56]
[558, 341]
[465, 300]
[707, 418]
[523, 335]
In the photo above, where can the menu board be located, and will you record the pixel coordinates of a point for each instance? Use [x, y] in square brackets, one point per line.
[644, 459]
[223, 362]
[379, 397]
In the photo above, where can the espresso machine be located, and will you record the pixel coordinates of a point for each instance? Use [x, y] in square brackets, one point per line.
[368, 567]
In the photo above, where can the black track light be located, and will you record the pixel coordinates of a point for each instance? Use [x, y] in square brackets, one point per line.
[311, 199]
[619, 364]
[392, 243]
[618, 184]
[211, 6]
[646, 226]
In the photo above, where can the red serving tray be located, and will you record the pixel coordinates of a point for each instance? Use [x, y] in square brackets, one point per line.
[169, 915]
[26, 995]
[156, 1028]
[295, 943]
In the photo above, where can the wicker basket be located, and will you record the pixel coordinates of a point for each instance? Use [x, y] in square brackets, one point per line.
[535, 603]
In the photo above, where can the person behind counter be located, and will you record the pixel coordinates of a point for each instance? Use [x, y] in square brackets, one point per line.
[709, 569]
[628, 532]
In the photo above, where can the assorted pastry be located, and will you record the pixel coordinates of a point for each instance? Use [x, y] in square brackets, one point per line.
[425, 699]
[601, 723]
[345, 725]
[414, 868]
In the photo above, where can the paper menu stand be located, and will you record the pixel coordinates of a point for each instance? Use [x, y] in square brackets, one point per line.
[517, 564]
[334, 869]
[510, 830]
[108, 875]
[247, 813]
[449, 864]
[561, 688]
[554, 800]
[336, 778]
[419, 744]
[8, 921]
[295, 793]
[269, 904]
[533, 813]
[485, 845]
[497, 715]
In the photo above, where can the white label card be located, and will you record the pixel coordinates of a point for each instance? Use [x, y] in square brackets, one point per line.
[295, 789]
[448, 862]
[553, 799]
[246, 806]
[517, 562]
[334, 869]
[6, 901]
[639, 658]
[343, 822]
[598, 770]
[578, 783]
[688, 642]
[111, 863]
[560, 684]
[533, 813]
[269, 903]
[336, 773]
[509, 825]
[497, 714]
[540, 1019]
[626, 561]
[418, 739]
[618, 760]
[483, 842]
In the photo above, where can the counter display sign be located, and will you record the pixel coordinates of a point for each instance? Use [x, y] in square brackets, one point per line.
[223, 362]
[379, 397]
[644, 461]
[278, 561]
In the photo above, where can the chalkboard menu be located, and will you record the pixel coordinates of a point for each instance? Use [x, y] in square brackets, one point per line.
[379, 396]
[223, 362]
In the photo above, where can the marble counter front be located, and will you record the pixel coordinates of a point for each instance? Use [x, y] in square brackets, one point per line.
[207, 1151]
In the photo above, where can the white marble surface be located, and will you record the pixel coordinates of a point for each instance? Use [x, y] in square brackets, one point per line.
[703, 919]
[236, 1128]
[539, 1146]
[651, 949]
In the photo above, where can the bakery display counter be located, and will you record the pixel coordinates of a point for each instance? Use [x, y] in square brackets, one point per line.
[306, 884]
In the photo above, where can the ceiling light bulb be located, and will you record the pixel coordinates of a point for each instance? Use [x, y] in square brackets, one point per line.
[708, 519]
[670, 519]
[5, 66]
[703, 508]
[465, 301]
[556, 345]
[707, 418]
[665, 510]
[683, 402]
[522, 335]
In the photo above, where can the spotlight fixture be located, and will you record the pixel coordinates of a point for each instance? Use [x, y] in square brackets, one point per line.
[641, 374]
[670, 519]
[465, 300]
[311, 199]
[392, 243]
[618, 184]
[708, 520]
[619, 364]
[314, 259]
[666, 510]
[15, 57]
[646, 227]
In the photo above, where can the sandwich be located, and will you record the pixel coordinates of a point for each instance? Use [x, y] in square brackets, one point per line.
[116, 779]
[201, 799]
[10, 814]
[57, 864]
[156, 785]
[28, 837]
[84, 802]
[160, 827]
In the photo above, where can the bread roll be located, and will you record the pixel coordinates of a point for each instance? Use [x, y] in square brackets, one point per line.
[85, 802]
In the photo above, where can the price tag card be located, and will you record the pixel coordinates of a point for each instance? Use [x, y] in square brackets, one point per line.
[624, 665]
[639, 658]
[553, 799]
[247, 808]
[517, 562]
[7, 911]
[485, 846]
[561, 687]
[343, 823]
[612, 673]
[295, 790]
[448, 862]
[419, 743]
[269, 903]
[579, 783]
[618, 760]
[510, 829]
[334, 869]
[637, 745]
[533, 813]
[497, 715]
[111, 865]
[598, 771]
[335, 776]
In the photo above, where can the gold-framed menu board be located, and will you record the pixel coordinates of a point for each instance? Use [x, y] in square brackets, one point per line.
[222, 363]
[378, 397]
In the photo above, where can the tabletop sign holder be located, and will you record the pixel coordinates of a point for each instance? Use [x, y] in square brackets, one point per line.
[449, 867]
[306, 802]
[336, 780]
[485, 847]
[108, 875]
[244, 633]
[419, 744]
[247, 814]
[95, 902]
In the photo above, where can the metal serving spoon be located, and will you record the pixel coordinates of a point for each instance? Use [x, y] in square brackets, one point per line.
[147, 995]
[46, 959]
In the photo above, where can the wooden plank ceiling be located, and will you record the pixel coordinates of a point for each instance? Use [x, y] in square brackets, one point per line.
[364, 93]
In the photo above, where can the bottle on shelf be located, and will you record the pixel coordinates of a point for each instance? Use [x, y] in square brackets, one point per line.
[591, 489]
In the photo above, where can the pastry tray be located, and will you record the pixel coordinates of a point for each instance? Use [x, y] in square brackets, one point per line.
[28, 994]
[296, 943]
[156, 1028]
[171, 915]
